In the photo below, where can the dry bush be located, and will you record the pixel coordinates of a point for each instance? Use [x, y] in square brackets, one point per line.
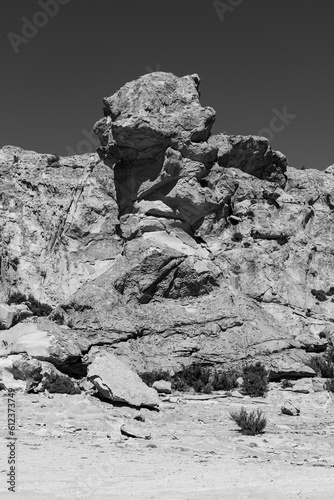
[255, 379]
[250, 423]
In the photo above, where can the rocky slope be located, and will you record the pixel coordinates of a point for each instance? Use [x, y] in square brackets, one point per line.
[172, 245]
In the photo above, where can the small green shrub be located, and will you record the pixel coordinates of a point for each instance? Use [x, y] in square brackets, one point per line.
[287, 384]
[200, 379]
[36, 307]
[225, 381]
[237, 237]
[62, 385]
[330, 385]
[15, 262]
[52, 159]
[319, 295]
[150, 377]
[16, 298]
[58, 318]
[250, 423]
[323, 365]
[194, 376]
[330, 291]
[255, 379]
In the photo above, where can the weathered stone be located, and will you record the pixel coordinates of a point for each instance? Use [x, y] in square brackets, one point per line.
[29, 374]
[135, 431]
[57, 224]
[115, 381]
[289, 408]
[145, 114]
[7, 315]
[236, 394]
[252, 155]
[190, 249]
[162, 386]
[41, 376]
[304, 386]
[7, 379]
[43, 340]
[285, 368]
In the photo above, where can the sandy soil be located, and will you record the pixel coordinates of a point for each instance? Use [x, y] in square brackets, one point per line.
[70, 447]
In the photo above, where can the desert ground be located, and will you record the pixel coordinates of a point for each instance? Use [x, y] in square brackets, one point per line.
[71, 447]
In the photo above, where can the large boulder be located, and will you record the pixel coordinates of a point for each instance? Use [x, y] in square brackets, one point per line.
[43, 340]
[9, 314]
[29, 374]
[144, 116]
[7, 379]
[115, 381]
[252, 155]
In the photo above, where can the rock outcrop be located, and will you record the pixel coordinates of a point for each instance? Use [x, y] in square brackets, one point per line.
[172, 246]
[114, 381]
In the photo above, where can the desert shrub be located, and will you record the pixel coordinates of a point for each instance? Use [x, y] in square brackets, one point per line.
[255, 380]
[329, 354]
[53, 159]
[15, 262]
[323, 365]
[287, 384]
[193, 376]
[237, 237]
[196, 377]
[58, 318]
[330, 291]
[250, 423]
[319, 295]
[225, 381]
[36, 307]
[62, 385]
[150, 377]
[330, 385]
[16, 298]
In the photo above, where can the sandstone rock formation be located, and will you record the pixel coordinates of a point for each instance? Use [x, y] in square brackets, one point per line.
[31, 375]
[173, 246]
[116, 382]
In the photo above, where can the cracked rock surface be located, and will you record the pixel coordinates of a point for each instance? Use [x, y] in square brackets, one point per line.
[171, 245]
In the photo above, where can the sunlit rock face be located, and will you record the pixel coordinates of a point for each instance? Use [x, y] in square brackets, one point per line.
[172, 245]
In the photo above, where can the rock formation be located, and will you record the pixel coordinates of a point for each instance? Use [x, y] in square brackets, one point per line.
[172, 245]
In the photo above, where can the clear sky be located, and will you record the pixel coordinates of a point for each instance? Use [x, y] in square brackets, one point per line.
[257, 59]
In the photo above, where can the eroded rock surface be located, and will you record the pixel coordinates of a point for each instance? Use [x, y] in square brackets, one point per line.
[116, 382]
[176, 246]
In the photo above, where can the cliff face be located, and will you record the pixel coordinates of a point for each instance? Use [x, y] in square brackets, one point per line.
[174, 246]
[58, 219]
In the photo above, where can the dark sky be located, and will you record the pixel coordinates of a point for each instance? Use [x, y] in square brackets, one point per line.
[256, 59]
